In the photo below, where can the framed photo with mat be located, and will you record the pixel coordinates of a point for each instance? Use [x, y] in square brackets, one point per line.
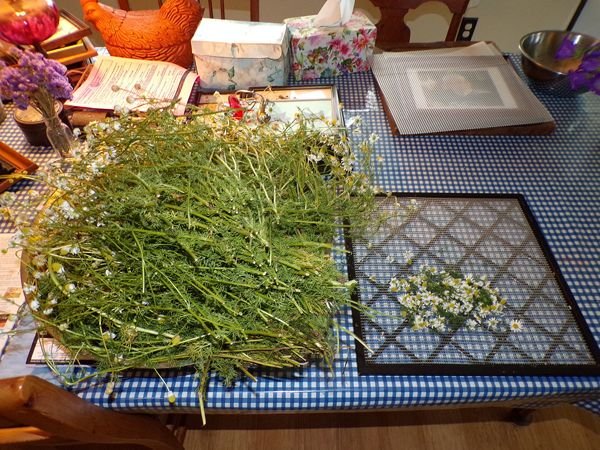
[283, 103]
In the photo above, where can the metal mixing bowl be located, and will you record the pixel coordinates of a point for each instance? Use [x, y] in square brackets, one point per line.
[538, 50]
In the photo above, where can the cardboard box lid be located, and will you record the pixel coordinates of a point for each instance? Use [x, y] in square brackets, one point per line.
[238, 39]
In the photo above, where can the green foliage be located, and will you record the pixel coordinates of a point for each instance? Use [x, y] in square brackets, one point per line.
[203, 242]
[440, 301]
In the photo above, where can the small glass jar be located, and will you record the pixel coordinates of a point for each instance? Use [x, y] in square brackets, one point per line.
[31, 123]
[60, 136]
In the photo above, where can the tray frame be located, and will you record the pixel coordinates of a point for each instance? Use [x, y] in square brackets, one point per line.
[20, 163]
[365, 368]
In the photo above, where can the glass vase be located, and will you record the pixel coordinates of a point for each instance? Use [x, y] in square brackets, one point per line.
[60, 136]
[28, 22]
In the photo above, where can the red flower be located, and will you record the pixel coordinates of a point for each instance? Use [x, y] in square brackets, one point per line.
[336, 43]
[344, 49]
[234, 103]
[361, 41]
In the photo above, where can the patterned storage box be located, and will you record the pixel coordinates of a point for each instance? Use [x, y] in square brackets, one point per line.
[231, 54]
[331, 51]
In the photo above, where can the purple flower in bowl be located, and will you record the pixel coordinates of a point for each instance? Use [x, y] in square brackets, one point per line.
[561, 63]
[587, 74]
[566, 50]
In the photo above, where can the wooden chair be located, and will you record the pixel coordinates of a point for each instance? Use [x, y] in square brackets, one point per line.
[254, 8]
[36, 413]
[391, 29]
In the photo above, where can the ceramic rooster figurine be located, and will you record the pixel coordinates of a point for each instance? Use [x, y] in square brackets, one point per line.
[164, 34]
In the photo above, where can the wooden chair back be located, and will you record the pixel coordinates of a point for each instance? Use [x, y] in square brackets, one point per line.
[392, 31]
[36, 413]
[254, 8]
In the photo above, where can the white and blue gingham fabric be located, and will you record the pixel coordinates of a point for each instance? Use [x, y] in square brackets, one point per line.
[558, 174]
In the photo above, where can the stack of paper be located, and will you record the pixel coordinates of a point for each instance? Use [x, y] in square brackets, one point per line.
[11, 294]
[133, 84]
[457, 89]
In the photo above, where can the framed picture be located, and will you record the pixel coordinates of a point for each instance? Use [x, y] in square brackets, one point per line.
[76, 52]
[454, 92]
[70, 29]
[282, 103]
[12, 162]
[44, 347]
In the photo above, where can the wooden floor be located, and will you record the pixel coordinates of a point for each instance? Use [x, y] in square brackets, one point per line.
[560, 428]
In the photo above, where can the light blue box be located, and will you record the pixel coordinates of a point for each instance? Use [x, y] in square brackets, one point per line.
[231, 54]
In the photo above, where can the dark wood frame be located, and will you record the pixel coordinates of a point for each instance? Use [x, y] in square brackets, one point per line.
[19, 162]
[88, 52]
[511, 369]
[83, 30]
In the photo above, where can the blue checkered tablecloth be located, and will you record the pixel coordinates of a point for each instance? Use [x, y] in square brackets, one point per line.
[559, 175]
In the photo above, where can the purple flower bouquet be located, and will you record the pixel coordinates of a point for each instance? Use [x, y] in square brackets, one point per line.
[32, 80]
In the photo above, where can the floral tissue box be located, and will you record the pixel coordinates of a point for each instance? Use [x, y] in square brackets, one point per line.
[331, 51]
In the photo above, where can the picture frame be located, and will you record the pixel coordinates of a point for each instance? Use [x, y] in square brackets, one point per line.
[12, 162]
[477, 93]
[44, 346]
[284, 102]
[70, 29]
[74, 53]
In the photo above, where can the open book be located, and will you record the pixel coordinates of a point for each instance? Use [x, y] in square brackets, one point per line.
[133, 84]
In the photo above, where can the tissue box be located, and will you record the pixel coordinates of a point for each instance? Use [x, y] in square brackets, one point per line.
[331, 51]
[231, 54]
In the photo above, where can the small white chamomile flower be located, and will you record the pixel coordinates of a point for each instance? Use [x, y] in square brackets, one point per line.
[171, 397]
[516, 325]
[29, 288]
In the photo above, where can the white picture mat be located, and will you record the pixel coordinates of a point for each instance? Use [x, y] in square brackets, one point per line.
[477, 49]
[424, 97]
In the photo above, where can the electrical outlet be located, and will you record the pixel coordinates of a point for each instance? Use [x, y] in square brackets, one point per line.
[466, 29]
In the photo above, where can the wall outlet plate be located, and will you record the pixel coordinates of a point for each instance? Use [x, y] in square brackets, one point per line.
[467, 28]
